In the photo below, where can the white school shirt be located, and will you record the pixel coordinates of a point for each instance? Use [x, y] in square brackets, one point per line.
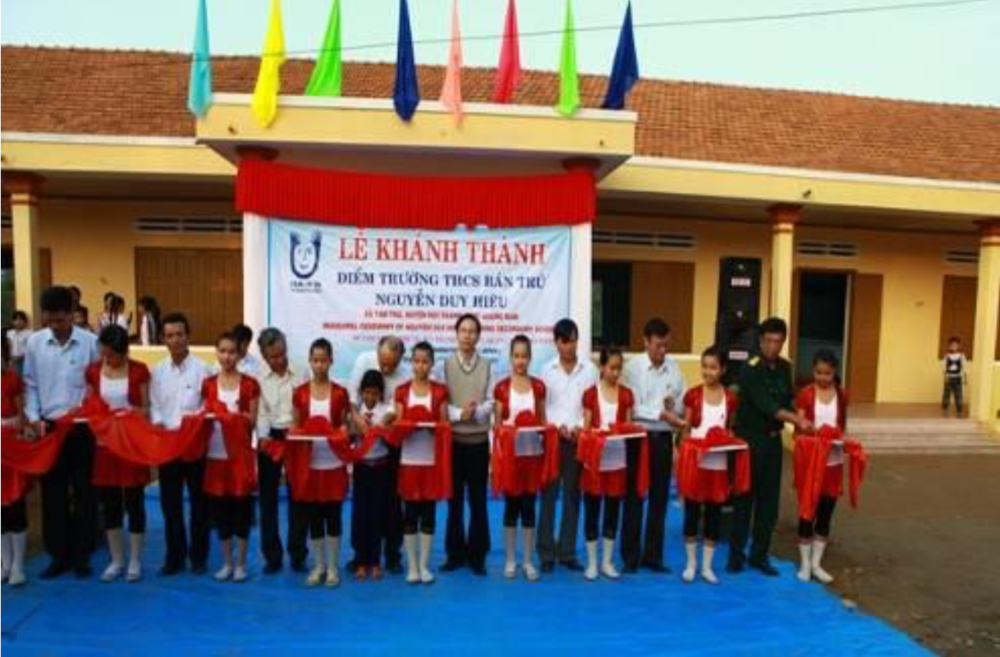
[217, 443]
[826, 416]
[711, 416]
[114, 392]
[418, 448]
[564, 391]
[18, 341]
[651, 385]
[322, 457]
[374, 416]
[527, 443]
[175, 391]
[613, 457]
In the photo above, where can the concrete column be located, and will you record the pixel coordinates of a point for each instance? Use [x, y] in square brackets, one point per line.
[985, 336]
[783, 220]
[23, 189]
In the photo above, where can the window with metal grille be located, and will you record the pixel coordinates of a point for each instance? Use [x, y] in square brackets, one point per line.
[187, 225]
[645, 238]
[818, 249]
[961, 257]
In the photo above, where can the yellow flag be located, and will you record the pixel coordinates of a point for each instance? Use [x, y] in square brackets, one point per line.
[265, 93]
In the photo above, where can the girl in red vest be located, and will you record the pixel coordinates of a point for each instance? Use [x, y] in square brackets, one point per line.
[15, 484]
[322, 486]
[517, 394]
[824, 403]
[230, 475]
[604, 405]
[706, 407]
[121, 383]
[420, 473]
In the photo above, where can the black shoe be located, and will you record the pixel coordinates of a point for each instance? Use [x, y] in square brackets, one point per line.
[571, 564]
[737, 562]
[548, 565]
[764, 565]
[352, 565]
[272, 568]
[170, 569]
[54, 569]
[394, 567]
[478, 568]
[299, 565]
[655, 567]
[451, 565]
[83, 571]
[199, 568]
[630, 568]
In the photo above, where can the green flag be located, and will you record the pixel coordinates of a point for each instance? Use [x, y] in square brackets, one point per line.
[569, 83]
[328, 73]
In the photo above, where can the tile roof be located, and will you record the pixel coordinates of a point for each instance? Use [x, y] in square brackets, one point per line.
[122, 92]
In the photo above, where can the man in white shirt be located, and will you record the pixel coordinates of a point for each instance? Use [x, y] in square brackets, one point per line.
[55, 361]
[248, 363]
[278, 381]
[387, 359]
[175, 391]
[566, 378]
[656, 381]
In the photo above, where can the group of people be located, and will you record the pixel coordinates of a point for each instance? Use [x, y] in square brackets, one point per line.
[408, 431]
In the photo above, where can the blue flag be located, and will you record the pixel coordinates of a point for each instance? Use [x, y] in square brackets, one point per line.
[625, 72]
[200, 84]
[406, 95]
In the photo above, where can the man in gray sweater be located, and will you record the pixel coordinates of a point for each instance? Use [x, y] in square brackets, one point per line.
[469, 378]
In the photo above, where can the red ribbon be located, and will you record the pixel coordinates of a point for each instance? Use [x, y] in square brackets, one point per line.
[590, 448]
[693, 450]
[503, 461]
[811, 452]
[413, 417]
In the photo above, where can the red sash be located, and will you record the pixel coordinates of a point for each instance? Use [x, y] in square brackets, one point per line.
[691, 453]
[503, 461]
[590, 448]
[401, 430]
[811, 452]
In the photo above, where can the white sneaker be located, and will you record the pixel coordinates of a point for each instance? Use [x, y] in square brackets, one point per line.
[804, 573]
[16, 577]
[510, 570]
[316, 575]
[708, 575]
[223, 574]
[590, 574]
[134, 573]
[112, 572]
[691, 569]
[332, 577]
[818, 548]
[607, 565]
[688, 574]
[530, 572]
[240, 574]
[426, 576]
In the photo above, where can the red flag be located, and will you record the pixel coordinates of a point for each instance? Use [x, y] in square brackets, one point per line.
[509, 68]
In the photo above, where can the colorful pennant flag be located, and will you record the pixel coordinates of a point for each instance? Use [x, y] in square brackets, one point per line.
[569, 82]
[625, 72]
[328, 73]
[200, 84]
[406, 93]
[509, 68]
[265, 93]
[451, 92]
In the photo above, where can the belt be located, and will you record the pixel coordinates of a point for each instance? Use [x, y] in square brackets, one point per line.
[382, 460]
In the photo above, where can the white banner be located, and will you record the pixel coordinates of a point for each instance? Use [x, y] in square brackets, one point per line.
[354, 286]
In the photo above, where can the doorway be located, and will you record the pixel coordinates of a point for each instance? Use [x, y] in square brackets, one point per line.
[823, 319]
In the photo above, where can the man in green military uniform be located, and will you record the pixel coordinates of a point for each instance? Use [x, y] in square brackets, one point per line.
[766, 403]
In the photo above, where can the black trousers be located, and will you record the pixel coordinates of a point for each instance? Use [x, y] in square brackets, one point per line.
[325, 519]
[820, 525]
[470, 476]
[760, 505]
[592, 516]
[419, 517]
[117, 500]
[638, 546]
[372, 489]
[521, 506]
[952, 388]
[175, 477]
[693, 513]
[69, 501]
[231, 516]
[14, 517]
[268, 487]
[569, 479]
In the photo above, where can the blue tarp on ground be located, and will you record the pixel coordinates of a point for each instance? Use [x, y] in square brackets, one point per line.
[460, 614]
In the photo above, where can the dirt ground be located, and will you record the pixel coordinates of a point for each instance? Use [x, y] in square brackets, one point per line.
[923, 549]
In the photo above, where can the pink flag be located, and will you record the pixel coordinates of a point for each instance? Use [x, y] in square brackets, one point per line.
[451, 92]
[509, 68]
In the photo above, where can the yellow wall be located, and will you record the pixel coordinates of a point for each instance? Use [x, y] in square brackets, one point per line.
[912, 265]
[93, 243]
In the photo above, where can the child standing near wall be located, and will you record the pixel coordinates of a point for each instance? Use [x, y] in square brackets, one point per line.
[955, 382]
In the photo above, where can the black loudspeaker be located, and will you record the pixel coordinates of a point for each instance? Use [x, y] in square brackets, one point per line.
[738, 312]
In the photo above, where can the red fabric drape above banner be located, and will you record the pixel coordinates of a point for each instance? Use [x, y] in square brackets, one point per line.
[374, 200]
